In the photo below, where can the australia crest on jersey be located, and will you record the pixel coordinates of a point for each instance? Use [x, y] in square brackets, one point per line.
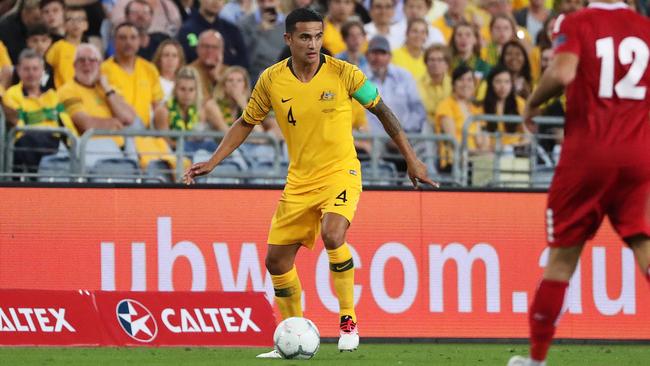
[327, 96]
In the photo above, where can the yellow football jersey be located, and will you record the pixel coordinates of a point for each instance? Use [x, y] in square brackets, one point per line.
[315, 118]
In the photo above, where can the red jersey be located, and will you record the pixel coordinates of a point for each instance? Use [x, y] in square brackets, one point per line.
[608, 103]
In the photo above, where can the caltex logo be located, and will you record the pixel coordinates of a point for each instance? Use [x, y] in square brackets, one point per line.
[136, 320]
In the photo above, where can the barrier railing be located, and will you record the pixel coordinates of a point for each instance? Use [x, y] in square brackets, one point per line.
[530, 151]
[10, 139]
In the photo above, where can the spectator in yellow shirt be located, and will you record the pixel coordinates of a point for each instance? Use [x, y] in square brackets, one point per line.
[339, 11]
[501, 99]
[28, 104]
[5, 68]
[454, 111]
[435, 84]
[61, 55]
[409, 56]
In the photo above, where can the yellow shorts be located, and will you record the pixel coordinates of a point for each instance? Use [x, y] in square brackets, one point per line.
[297, 218]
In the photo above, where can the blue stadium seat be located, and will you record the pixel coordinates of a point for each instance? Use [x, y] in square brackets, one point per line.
[54, 168]
[160, 170]
[115, 170]
[265, 174]
[386, 173]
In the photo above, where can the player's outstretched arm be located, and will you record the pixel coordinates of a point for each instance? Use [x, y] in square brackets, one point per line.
[558, 75]
[234, 137]
[416, 169]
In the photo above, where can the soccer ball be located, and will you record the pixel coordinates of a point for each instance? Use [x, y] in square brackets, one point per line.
[296, 338]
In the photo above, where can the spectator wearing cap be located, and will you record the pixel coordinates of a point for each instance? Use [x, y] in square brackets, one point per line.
[13, 27]
[208, 18]
[396, 86]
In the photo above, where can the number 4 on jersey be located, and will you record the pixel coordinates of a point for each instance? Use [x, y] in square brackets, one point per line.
[290, 118]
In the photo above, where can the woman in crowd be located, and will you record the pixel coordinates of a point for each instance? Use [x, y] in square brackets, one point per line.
[169, 58]
[502, 30]
[515, 59]
[466, 49]
[500, 99]
[410, 56]
[186, 111]
[452, 113]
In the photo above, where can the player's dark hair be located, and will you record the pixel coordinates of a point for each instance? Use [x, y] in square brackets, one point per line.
[301, 15]
[491, 99]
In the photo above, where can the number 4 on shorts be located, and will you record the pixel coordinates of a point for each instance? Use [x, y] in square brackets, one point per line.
[342, 196]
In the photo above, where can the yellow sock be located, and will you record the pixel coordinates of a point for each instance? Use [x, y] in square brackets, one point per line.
[288, 293]
[342, 269]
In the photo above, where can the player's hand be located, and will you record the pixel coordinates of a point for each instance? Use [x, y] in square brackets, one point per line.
[529, 114]
[417, 172]
[196, 170]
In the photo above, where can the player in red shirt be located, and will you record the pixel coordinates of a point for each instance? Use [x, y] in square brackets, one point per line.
[601, 57]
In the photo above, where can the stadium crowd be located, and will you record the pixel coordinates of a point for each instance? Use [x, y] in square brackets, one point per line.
[190, 65]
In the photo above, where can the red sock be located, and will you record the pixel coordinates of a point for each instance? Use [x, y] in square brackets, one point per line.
[543, 314]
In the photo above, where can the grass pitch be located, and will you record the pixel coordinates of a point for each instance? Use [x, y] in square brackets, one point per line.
[368, 354]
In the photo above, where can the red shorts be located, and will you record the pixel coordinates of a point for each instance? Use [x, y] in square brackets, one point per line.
[581, 196]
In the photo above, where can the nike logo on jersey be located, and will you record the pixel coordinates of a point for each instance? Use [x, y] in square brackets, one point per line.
[286, 100]
[339, 204]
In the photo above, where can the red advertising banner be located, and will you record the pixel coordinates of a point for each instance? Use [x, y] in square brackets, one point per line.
[48, 318]
[430, 264]
[186, 318]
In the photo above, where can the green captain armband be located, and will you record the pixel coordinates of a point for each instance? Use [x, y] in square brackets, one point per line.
[367, 93]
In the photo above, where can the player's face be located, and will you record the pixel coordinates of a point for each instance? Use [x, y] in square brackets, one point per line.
[415, 9]
[514, 58]
[127, 41]
[502, 85]
[502, 31]
[185, 92]
[169, 59]
[39, 43]
[52, 14]
[30, 71]
[436, 64]
[417, 35]
[305, 42]
[355, 40]
[464, 86]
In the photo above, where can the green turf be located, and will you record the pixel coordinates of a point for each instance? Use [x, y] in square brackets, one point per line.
[368, 354]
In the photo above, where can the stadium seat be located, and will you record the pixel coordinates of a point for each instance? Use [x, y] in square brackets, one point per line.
[254, 153]
[102, 149]
[160, 170]
[54, 168]
[266, 174]
[115, 170]
[386, 173]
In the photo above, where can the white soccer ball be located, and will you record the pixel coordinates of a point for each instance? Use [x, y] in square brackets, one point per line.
[296, 338]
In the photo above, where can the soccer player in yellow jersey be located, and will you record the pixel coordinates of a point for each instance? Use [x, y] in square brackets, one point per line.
[311, 95]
